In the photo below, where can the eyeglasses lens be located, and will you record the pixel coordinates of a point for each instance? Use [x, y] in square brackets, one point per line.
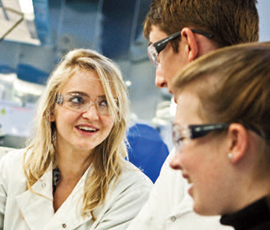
[176, 138]
[153, 55]
[81, 104]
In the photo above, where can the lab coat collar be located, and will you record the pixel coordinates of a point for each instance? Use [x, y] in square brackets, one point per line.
[37, 207]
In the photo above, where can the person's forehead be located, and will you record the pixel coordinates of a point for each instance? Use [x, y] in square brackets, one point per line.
[156, 34]
[188, 104]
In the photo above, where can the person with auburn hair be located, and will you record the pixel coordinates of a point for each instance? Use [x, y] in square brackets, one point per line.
[73, 174]
[222, 134]
[180, 31]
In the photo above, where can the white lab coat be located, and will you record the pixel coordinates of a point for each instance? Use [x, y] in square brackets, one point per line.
[170, 207]
[22, 209]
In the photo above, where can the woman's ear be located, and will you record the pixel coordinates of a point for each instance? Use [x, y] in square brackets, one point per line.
[52, 116]
[238, 142]
[188, 36]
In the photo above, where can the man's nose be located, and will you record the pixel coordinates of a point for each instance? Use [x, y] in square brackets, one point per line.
[159, 79]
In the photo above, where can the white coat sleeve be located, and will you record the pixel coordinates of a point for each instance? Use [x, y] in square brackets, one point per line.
[126, 204]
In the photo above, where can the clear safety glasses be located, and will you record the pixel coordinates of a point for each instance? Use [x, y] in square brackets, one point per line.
[80, 103]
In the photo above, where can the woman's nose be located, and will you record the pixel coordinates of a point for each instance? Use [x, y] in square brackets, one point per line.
[91, 112]
[175, 161]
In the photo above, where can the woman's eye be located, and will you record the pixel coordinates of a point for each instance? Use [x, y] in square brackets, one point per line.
[77, 100]
[181, 139]
[103, 103]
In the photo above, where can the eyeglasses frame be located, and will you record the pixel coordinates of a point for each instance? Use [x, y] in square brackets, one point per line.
[197, 131]
[60, 101]
[158, 46]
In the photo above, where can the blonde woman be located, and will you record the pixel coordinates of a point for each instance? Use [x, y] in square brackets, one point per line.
[73, 174]
[222, 134]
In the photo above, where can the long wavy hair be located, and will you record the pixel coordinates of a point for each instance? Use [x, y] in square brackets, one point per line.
[109, 156]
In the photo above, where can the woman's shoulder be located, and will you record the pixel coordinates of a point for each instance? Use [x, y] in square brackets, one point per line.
[11, 170]
[12, 160]
[132, 184]
[132, 175]
[13, 154]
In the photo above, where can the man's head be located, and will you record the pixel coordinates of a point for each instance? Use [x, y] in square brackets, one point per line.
[229, 22]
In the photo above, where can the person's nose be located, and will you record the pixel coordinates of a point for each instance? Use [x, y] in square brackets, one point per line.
[159, 79]
[91, 112]
[175, 162]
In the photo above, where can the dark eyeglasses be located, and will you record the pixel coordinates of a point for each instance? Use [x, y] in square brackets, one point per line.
[190, 132]
[154, 49]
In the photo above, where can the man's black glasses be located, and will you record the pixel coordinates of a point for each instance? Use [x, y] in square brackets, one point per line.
[154, 49]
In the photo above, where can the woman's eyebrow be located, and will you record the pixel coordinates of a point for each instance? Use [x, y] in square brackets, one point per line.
[78, 93]
[102, 96]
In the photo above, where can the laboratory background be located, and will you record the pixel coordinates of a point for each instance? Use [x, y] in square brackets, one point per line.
[35, 34]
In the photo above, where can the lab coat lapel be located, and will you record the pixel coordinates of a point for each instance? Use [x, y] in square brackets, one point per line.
[69, 214]
[37, 206]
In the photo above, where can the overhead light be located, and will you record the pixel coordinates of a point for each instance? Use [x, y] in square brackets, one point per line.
[27, 8]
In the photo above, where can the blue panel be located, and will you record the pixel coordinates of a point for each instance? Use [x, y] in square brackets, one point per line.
[42, 21]
[147, 150]
[117, 26]
[31, 74]
[5, 69]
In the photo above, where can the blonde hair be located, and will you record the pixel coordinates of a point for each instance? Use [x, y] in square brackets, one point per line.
[109, 156]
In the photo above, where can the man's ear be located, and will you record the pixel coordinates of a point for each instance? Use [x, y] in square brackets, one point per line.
[188, 36]
[238, 142]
